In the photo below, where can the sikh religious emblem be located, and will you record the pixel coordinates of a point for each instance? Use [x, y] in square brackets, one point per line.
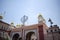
[24, 19]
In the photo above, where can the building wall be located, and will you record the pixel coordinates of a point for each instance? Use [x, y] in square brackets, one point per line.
[53, 33]
[4, 29]
[40, 31]
[54, 36]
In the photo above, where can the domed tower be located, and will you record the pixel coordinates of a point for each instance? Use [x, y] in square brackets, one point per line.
[41, 19]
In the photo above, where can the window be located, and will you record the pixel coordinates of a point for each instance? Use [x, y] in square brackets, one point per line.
[51, 30]
[59, 32]
[2, 27]
[55, 30]
[47, 31]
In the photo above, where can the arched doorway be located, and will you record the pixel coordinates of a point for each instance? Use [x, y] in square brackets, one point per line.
[28, 36]
[15, 36]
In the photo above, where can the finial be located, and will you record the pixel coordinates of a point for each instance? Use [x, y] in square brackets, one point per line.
[24, 19]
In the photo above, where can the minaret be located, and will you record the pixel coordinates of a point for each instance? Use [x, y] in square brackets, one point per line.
[41, 19]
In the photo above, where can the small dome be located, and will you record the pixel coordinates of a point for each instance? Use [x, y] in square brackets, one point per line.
[39, 15]
[12, 22]
[1, 17]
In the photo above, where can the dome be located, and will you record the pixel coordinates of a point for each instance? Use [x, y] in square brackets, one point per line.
[1, 17]
[12, 22]
[39, 15]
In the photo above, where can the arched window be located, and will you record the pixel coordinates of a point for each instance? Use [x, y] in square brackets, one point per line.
[47, 31]
[55, 30]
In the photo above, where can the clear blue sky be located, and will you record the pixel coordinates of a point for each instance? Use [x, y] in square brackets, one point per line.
[15, 9]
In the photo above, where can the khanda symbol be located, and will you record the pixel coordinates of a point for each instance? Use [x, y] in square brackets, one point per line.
[24, 19]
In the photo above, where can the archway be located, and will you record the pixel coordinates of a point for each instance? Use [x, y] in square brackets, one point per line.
[28, 36]
[15, 36]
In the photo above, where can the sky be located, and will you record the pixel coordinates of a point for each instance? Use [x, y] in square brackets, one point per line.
[15, 9]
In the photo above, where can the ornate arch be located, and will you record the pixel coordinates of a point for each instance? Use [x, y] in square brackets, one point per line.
[28, 35]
